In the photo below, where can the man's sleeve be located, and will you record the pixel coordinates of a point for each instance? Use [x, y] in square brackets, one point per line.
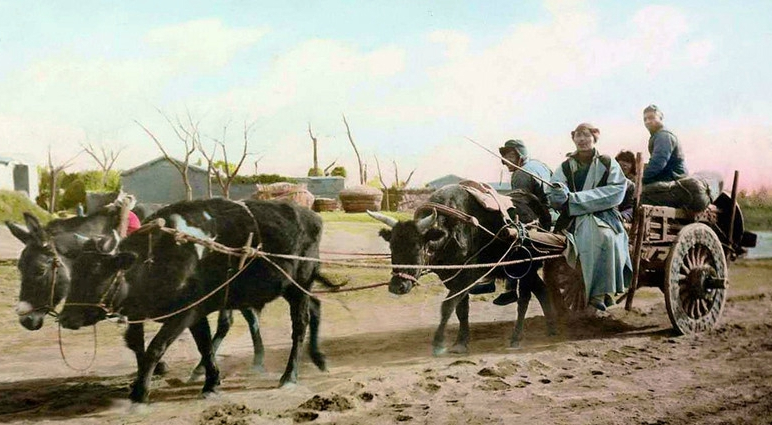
[660, 154]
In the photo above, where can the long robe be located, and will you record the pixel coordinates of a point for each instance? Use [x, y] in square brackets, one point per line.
[596, 233]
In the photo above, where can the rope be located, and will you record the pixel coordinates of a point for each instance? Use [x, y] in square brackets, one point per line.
[64, 357]
[406, 266]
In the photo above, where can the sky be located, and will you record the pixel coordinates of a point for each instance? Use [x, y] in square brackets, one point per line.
[413, 78]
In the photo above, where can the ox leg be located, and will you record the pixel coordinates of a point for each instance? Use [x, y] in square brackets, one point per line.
[314, 320]
[448, 306]
[461, 346]
[203, 337]
[298, 302]
[135, 340]
[253, 321]
[140, 389]
[539, 289]
[522, 309]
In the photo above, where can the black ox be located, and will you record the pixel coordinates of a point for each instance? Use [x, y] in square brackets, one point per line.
[446, 239]
[153, 275]
[47, 260]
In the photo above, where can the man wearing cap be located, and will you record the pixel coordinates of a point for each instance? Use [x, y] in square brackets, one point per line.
[515, 152]
[667, 161]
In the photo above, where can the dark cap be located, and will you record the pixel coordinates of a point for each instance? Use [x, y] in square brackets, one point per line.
[516, 145]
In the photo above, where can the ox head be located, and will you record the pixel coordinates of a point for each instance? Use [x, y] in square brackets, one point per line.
[98, 284]
[44, 270]
[409, 242]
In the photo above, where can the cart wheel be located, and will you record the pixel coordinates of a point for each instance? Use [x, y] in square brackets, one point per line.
[566, 288]
[696, 277]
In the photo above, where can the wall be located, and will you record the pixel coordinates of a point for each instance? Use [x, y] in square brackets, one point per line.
[324, 187]
[20, 178]
[161, 183]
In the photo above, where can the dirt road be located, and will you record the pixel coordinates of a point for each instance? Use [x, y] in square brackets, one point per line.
[624, 368]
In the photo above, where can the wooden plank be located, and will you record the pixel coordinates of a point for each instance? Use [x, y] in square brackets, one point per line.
[639, 225]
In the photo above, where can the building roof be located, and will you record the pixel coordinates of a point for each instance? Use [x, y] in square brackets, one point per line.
[445, 180]
[150, 163]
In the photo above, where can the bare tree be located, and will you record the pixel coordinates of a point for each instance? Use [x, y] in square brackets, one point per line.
[362, 172]
[210, 168]
[53, 175]
[226, 174]
[397, 183]
[385, 188]
[188, 134]
[314, 171]
[327, 168]
[104, 157]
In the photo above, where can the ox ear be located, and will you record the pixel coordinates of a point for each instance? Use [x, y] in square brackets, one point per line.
[385, 234]
[124, 260]
[35, 228]
[21, 234]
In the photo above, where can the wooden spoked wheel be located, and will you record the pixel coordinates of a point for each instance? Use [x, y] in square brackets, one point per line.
[696, 278]
[566, 287]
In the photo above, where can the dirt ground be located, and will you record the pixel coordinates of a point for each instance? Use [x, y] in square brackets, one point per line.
[622, 368]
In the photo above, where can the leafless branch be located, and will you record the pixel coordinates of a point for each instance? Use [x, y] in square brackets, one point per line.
[362, 172]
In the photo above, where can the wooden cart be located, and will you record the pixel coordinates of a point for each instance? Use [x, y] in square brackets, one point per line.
[684, 254]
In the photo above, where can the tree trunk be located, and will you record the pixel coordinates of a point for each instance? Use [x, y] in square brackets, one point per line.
[52, 197]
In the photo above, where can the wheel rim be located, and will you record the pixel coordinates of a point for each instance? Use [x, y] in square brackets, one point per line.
[695, 282]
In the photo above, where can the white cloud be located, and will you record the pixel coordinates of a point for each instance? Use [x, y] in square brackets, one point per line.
[699, 53]
[203, 43]
[456, 43]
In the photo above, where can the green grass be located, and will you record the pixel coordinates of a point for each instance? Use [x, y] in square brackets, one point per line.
[14, 204]
[757, 209]
[343, 217]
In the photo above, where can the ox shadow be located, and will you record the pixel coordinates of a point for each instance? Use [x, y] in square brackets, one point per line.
[68, 397]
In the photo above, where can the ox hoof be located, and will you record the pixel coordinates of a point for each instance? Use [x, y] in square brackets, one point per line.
[439, 351]
[289, 385]
[320, 361]
[257, 369]
[139, 408]
[459, 349]
[514, 344]
[211, 395]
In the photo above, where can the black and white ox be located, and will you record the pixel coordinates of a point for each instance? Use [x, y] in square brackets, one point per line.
[153, 275]
[46, 262]
[449, 239]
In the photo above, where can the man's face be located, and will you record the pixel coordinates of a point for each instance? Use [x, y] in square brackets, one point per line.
[513, 157]
[653, 121]
[627, 169]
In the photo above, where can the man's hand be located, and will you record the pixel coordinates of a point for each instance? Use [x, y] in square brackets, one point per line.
[558, 195]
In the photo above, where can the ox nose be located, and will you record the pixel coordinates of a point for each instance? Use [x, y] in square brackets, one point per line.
[32, 321]
[400, 287]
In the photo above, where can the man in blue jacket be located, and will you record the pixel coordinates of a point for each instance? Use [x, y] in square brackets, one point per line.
[667, 162]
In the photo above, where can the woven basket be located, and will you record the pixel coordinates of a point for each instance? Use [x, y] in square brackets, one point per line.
[325, 204]
[360, 199]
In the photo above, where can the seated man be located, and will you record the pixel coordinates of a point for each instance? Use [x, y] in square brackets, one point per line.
[518, 162]
[667, 162]
[626, 160]
[588, 188]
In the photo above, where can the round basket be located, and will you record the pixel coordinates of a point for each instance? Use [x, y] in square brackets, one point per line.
[360, 199]
[325, 204]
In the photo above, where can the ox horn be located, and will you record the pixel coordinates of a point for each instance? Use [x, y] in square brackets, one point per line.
[425, 223]
[391, 222]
